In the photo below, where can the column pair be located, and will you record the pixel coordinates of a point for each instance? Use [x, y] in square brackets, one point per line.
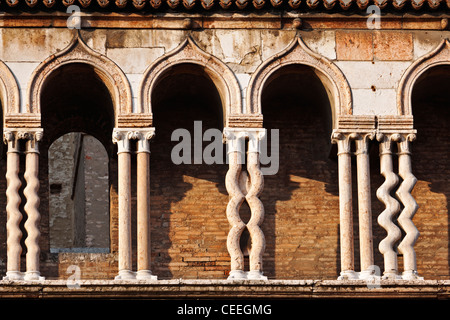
[19, 141]
[344, 142]
[245, 186]
[123, 138]
[393, 206]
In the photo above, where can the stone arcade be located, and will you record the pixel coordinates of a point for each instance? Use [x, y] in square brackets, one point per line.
[362, 152]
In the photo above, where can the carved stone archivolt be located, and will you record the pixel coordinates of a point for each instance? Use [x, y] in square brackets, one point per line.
[439, 56]
[9, 92]
[78, 52]
[298, 53]
[188, 52]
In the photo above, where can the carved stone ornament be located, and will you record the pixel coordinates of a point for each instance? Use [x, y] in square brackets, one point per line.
[78, 52]
[298, 53]
[189, 53]
[439, 56]
[9, 91]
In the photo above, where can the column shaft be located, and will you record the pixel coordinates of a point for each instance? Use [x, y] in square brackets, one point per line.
[32, 207]
[124, 189]
[346, 211]
[143, 210]
[364, 204]
[14, 216]
[392, 207]
[406, 246]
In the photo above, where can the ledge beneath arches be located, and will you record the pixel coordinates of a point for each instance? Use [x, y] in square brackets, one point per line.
[224, 289]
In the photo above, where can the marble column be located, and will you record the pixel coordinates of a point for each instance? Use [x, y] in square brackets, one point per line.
[143, 206]
[406, 246]
[235, 150]
[392, 206]
[364, 204]
[343, 141]
[242, 187]
[32, 205]
[13, 214]
[122, 139]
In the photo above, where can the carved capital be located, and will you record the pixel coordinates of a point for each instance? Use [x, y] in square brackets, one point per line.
[235, 138]
[343, 141]
[11, 137]
[122, 137]
[362, 142]
[404, 143]
[144, 138]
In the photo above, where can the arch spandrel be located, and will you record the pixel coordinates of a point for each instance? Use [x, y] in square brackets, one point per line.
[438, 56]
[79, 52]
[297, 52]
[189, 53]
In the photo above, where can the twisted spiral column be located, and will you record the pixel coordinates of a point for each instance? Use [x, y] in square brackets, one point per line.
[392, 207]
[235, 144]
[14, 216]
[406, 246]
[256, 206]
[238, 191]
[32, 206]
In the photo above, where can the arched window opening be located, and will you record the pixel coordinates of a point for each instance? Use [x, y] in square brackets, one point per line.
[79, 197]
[188, 197]
[77, 159]
[300, 228]
[430, 159]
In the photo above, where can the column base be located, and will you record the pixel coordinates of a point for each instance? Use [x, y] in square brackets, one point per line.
[14, 275]
[369, 275]
[126, 275]
[33, 276]
[348, 275]
[391, 275]
[145, 275]
[411, 275]
[246, 275]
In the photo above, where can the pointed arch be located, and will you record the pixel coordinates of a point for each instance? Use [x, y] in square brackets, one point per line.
[297, 52]
[79, 52]
[9, 92]
[189, 53]
[439, 56]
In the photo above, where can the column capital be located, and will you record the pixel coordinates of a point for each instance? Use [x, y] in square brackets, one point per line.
[362, 142]
[402, 137]
[32, 135]
[235, 137]
[343, 140]
[122, 137]
[144, 136]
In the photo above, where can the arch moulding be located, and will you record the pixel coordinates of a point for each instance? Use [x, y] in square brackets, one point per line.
[79, 52]
[297, 52]
[9, 94]
[438, 56]
[188, 52]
